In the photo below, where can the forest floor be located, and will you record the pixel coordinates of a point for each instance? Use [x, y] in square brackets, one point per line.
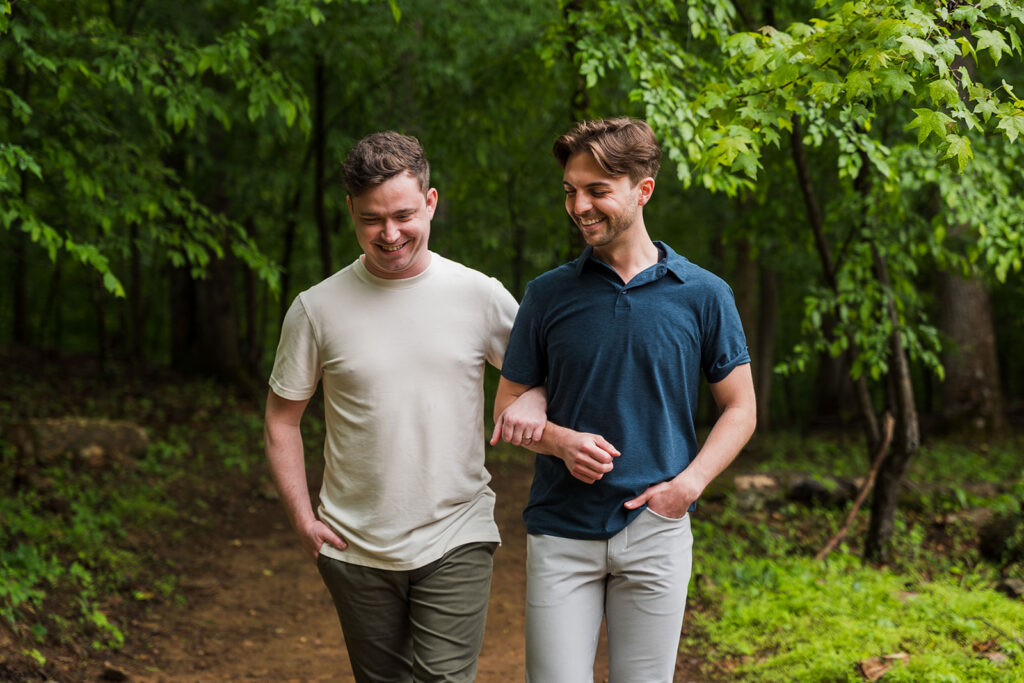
[256, 608]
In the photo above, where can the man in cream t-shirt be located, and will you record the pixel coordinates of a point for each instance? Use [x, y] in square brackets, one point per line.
[405, 530]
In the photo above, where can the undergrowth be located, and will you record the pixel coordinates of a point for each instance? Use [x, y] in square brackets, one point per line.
[76, 542]
[768, 611]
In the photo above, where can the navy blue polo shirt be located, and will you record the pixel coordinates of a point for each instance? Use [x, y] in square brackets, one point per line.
[622, 360]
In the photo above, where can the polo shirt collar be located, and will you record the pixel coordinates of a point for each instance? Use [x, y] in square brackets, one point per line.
[672, 261]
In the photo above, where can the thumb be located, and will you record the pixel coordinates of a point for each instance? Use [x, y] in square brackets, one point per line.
[335, 540]
[640, 500]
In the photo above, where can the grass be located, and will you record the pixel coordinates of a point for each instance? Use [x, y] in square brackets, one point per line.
[769, 612]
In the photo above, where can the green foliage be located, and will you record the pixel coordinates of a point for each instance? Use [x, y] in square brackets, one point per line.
[765, 611]
[773, 614]
[75, 540]
[907, 104]
[66, 536]
[97, 104]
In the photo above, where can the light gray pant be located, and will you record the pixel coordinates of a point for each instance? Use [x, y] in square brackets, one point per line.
[637, 580]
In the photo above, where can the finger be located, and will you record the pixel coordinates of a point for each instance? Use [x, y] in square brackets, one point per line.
[596, 454]
[592, 470]
[518, 434]
[603, 443]
[496, 434]
[585, 478]
[506, 430]
[538, 431]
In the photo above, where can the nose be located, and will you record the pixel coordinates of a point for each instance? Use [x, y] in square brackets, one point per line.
[390, 231]
[580, 204]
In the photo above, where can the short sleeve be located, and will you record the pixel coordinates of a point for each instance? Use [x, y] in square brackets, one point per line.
[501, 312]
[297, 363]
[723, 345]
[526, 355]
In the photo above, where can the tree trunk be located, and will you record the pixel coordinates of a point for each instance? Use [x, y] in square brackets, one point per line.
[971, 394]
[320, 153]
[756, 300]
[862, 393]
[19, 286]
[204, 325]
[906, 440]
[764, 360]
[137, 313]
[518, 237]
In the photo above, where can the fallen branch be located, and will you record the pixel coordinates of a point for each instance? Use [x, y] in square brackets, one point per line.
[883, 449]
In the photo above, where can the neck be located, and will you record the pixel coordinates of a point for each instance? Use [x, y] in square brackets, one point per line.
[632, 253]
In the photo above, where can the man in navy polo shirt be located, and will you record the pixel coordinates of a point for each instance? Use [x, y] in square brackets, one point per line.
[620, 337]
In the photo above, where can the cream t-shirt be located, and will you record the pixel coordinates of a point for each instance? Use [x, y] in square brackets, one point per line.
[402, 365]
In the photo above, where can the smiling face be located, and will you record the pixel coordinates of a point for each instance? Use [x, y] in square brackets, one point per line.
[604, 207]
[392, 222]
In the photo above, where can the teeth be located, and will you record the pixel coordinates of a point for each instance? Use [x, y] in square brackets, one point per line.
[392, 248]
[590, 222]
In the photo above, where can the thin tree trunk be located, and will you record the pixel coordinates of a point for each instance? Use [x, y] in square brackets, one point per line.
[863, 394]
[137, 313]
[19, 286]
[251, 333]
[767, 320]
[320, 153]
[906, 441]
[518, 237]
[290, 226]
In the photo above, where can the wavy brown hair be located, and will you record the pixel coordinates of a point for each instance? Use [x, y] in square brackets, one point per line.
[622, 146]
[381, 156]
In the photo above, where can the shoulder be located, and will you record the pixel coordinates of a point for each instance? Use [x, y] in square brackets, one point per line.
[554, 280]
[326, 292]
[455, 274]
[705, 280]
[694, 279]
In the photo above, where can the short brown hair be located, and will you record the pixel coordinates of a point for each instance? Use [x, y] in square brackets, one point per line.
[381, 156]
[621, 146]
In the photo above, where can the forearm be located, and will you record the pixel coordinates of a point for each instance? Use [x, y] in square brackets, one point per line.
[288, 467]
[729, 434]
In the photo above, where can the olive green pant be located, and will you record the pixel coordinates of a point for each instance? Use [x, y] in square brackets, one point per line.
[423, 624]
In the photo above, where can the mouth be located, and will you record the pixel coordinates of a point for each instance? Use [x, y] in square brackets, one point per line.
[391, 248]
[588, 222]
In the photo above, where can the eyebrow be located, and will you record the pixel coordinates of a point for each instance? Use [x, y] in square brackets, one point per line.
[599, 183]
[397, 212]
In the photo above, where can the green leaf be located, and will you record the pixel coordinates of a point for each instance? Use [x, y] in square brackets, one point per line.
[858, 83]
[396, 11]
[896, 82]
[929, 121]
[993, 41]
[960, 149]
[944, 92]
[113, 285]
[986, 108]
[1012, 126]
[917, 47]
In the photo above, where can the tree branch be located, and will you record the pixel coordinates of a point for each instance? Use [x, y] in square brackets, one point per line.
[888, 425]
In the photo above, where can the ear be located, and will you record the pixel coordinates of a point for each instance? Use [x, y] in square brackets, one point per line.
[646, 190]
[431, 197]
[348, 202]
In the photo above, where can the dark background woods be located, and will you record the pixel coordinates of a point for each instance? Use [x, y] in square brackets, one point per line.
[170, 178]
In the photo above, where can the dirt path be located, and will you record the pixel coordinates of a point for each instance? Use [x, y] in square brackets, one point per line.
[257, 609]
